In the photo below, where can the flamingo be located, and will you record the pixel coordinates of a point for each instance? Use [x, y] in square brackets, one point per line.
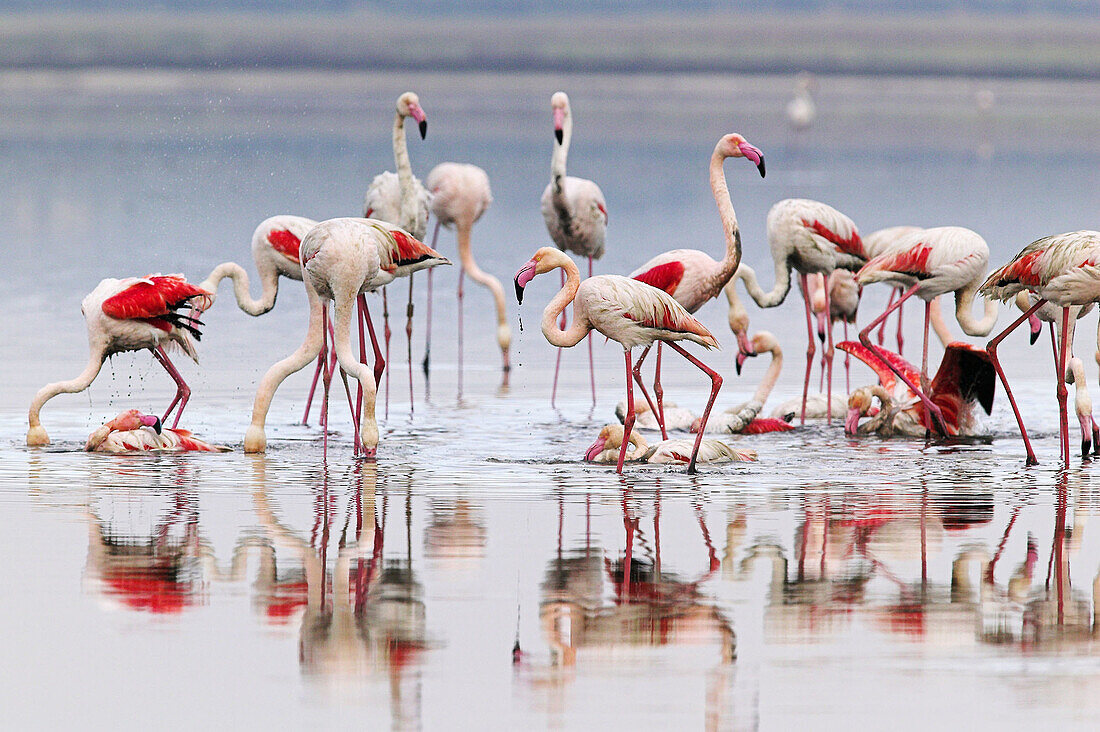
[675, 418]
[341, 259]
[816, 407]
[460, 195]
[930, 263]
[964, 378]
[625, 310]
[575, 213]
[801, 110]
[131, 314]
[608, 445]
[843, 305]
[1061, 269]
[133, 431]
[879, 242]
[810, 237]
[400, 199]
[744, 418]
[693, 277]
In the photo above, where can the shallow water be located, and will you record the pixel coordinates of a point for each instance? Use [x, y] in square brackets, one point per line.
[891, 582]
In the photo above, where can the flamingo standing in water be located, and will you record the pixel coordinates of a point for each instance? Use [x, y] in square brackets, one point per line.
[879, 242]
[460, 195]
[131, 315]
[693, 277]
[400, 199]
[1064, 270]
[575, 213]
[341, 260]
[930, 263]
[625, 310]
[810, 237]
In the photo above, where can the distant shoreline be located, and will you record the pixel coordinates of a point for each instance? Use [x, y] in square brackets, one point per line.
[995, 46]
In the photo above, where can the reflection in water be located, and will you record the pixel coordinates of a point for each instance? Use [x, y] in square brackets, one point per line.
[455, 534]
[364, 615]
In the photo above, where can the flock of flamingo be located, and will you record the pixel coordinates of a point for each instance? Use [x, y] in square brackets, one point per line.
[339, 261]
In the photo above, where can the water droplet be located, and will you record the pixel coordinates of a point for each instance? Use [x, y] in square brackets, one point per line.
[521, 324]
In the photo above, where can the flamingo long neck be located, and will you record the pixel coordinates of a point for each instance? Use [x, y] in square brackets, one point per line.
[557, 161]
[732, 232]
[404, 174]
[778, 292]
[970, 326]
[939, 324]
[237, 273]
[486, 280]
[72, 386]
[578, 329]
[885, 409]
[771, 376]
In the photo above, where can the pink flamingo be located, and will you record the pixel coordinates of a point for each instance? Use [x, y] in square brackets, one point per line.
[745, 419]
[131, 315]
[625, 310]
[132, 431]
[810, 237]
[693, 277]
[879, 242]
[575, 213]
[608, 445]
[341, 260]
[930, 263]
[460, 195]
[1064, 270]
[843, 306]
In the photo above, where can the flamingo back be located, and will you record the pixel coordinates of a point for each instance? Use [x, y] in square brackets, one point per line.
[636, 314]
[577, 220]
[459, 191]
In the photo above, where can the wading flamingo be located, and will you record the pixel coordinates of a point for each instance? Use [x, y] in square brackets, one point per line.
[460, 195]
[744, 418]
[880, 242]
[626, 311]
[1064, 270]
[575, 213]
[341, 259]
[801, 110]
[930, 263]
[608, 445]
[964, 379]
[693, 277]
[400, 199]
[843, 305]
[131, 315]
[132, 431]
[810, 237]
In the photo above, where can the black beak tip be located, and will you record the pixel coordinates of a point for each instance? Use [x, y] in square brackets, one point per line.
[157, 427]
[423, 129]
[519, 292]
[821, 336]
[558, 136]
[737, 364]
[763, 170]
[1035, 336]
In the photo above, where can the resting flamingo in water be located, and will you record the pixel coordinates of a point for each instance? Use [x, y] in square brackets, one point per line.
[626, 311]
[1063, 270]
[691, 276]
[609, 442]
[400, 199]
[575, 213]
[341, 260]
[930, 263]
[460, 195]
[964, 379]
[131, 315]
[132, 431]
[880, 242]
[810, 237]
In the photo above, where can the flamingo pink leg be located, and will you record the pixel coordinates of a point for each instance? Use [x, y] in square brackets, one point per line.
[386, 335]
[658, 391]
[924, 384]
[715, 385]
[428, 326]
[901, 340]
[351, 407]
[1063, 392]
[379, 360]
[652, 408]
[931, 409]
[591, 363]
[325, 381]
[991, 349]
[360, 304]
[461, 277]
[409, 341]
[628, 423]
[810, 349]
[1054, 347]
[183, 392]
[828, 359]
[313, 385]
[847, 363]
[882, 328]
[557, 361]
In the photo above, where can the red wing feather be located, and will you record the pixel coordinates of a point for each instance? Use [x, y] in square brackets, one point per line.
[966, 374]
[410, 250]
[912, 261]
[850, 244]
[886, 377]
[285, 243]
[665, 276]
[152, 297]
[766, 424]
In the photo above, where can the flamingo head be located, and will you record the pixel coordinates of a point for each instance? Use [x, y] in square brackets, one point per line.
[559, 103]
[1036, 327]
[545, 259]
[735, 146]
[408, 105]
[859, 403]
[610, 437]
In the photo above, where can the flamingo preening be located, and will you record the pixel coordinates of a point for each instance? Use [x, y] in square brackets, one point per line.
[930, 263]
[609, 442]
[342, 259]
[810, 237]
[132, 431]
[575, 213]
[131, 315]
[691, 276]
[1064, 270]
[460, 195]
[625, 310]
[400, 199]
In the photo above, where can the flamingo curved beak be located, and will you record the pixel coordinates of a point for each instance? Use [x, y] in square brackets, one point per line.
[1086, 433]
[821, 326]
[150, 420]
[525, 275]
[851, 422]
[1036, 326]
[754, 155]
[744, 351]
[421, 119]
[597, 447]
[559, 124]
